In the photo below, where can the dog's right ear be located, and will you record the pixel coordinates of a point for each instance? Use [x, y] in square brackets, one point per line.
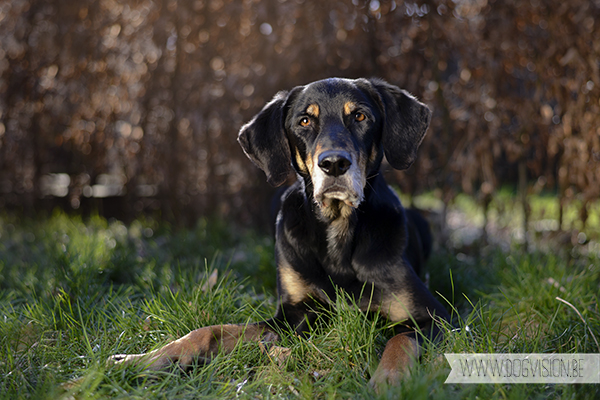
[264, 141]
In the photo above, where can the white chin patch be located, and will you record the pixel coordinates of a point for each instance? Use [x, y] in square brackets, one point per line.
[338, 196]
[341, 196]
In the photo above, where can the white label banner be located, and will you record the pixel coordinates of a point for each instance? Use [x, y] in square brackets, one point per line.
[523, 368]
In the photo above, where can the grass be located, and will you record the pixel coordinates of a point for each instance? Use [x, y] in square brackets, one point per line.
[73, 292]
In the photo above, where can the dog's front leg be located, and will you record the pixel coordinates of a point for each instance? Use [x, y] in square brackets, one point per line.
[201, 345]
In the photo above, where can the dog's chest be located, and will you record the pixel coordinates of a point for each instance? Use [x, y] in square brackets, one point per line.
[337, 259]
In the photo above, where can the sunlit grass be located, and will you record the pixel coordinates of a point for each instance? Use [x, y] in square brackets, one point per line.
[73, 292]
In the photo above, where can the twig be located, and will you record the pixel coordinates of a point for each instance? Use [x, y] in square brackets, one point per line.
[580, 316]
[320, 352]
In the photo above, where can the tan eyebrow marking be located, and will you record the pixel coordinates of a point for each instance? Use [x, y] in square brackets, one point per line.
[349, 108]
[313, 110]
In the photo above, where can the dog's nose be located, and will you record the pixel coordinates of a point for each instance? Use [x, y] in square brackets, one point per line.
[334, 163]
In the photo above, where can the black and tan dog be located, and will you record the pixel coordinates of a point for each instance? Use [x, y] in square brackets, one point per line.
[339, 225]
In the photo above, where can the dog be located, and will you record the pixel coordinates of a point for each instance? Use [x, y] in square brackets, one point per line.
[339, 226]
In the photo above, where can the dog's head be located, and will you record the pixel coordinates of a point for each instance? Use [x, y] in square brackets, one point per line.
[334, 133]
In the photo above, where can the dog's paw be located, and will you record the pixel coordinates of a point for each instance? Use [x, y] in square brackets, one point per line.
[398, 357]
[121, 359]
[146, 361]
[384, 377]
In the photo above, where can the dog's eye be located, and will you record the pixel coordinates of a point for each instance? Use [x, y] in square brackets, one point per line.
[305, 121]
[359, 116]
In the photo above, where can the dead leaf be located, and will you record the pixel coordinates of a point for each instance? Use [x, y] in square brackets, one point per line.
[28, 338]
[277, 354]
[317, 374]
[146, 324]
[72, 384]
[211, 282]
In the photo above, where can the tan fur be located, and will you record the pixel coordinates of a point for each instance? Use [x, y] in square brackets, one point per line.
[300, 162]
[373, 155]
[349, 107]
[313, 110]
[310, 163]
[396, 306]
[293, 283]
[201, 343]
[398, 356]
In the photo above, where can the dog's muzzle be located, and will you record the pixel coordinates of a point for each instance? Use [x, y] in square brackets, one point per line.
[338, 177]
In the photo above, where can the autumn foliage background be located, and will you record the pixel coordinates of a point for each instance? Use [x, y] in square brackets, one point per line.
[134, 106]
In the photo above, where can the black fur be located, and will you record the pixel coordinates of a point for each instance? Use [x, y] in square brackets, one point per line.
[267, 147]
[406, 122]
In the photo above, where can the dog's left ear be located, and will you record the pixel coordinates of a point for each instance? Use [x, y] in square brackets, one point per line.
[406, 121]
[264, 141]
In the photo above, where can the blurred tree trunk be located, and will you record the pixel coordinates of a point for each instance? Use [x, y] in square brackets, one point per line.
[487, 201]
[523, 187]
[174, 153]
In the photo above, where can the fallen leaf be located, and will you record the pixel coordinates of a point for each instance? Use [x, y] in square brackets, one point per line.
[211, 282]
[28, 338]
[146, 324]
[277, 354]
